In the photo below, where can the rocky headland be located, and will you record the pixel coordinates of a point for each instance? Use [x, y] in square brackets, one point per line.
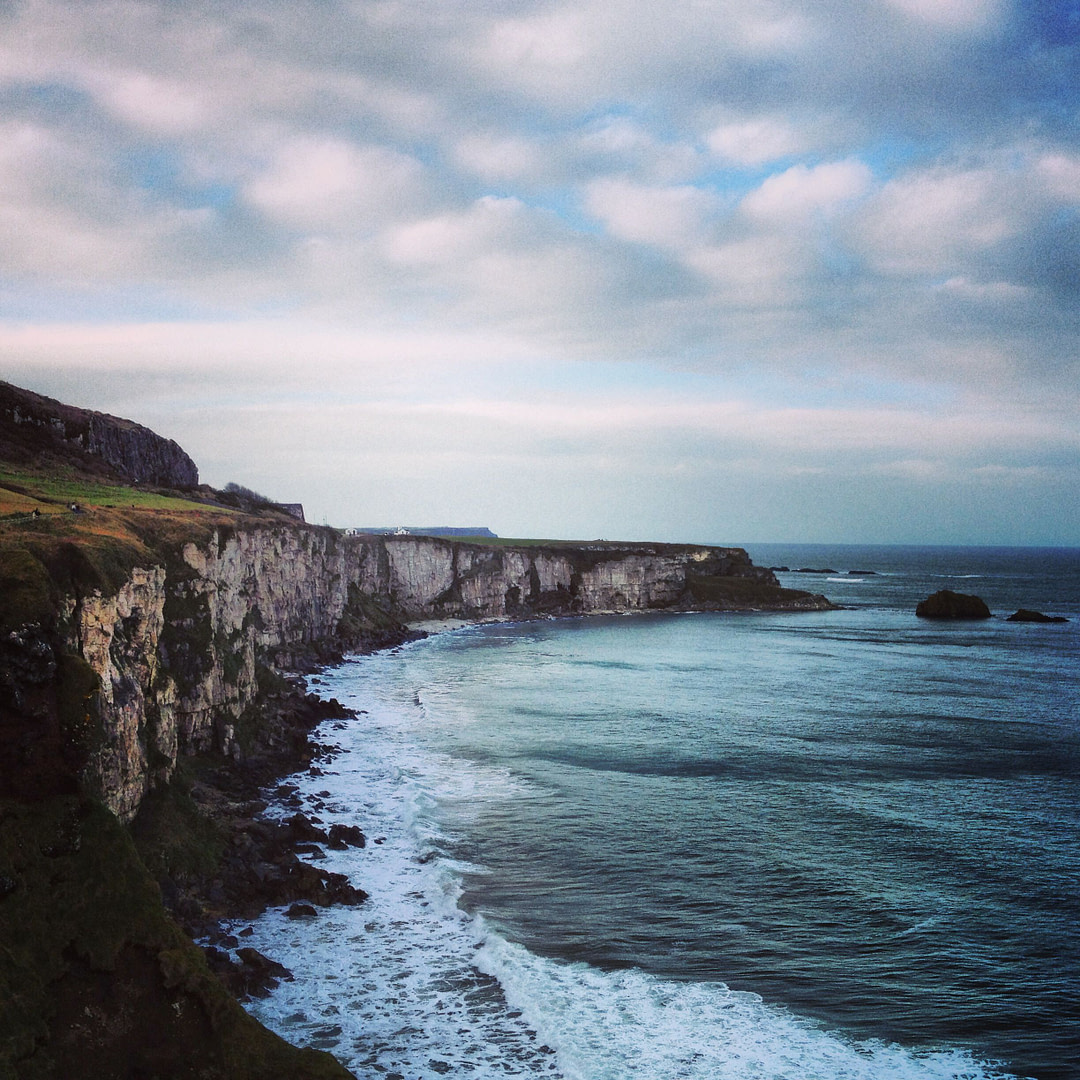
[152, 639]
[42, 430]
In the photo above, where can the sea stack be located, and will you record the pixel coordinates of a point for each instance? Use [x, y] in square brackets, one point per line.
[947, 604]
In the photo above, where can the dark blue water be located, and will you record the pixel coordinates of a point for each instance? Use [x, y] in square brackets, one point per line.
[817, 845]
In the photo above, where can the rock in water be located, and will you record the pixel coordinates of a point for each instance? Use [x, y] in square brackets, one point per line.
[1024, 615]
[947, 604]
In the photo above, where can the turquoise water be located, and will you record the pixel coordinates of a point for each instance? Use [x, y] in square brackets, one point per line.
[836, 844]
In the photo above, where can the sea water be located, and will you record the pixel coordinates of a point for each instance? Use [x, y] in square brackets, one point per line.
[827, 845]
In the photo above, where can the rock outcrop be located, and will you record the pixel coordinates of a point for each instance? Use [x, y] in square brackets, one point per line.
[1026, 615]
[34, 428]
[947, 604]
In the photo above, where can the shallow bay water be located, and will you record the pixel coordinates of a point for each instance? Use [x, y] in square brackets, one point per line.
[837, 844]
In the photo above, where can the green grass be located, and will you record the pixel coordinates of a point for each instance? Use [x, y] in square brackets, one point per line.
[57, 490]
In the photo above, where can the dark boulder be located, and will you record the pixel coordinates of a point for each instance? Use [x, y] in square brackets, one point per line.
[947, 604]
[1024, 615]
[346, 836]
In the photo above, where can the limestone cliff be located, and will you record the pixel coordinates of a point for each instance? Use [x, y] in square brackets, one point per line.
[141, 648]
[178, 648]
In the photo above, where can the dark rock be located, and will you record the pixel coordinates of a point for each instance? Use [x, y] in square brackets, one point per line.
[44, 429]
[811, 570]
[255, 960]
[1024, 615]
[863, 573]
[947, 604]
[299, 911]
[301, 828]
[346, 836]
[256, 975]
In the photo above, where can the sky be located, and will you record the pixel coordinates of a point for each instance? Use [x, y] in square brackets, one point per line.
[700, 270]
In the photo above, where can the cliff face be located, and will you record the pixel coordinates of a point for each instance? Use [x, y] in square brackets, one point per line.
[178, 648]
[131, 640]
[33, 428]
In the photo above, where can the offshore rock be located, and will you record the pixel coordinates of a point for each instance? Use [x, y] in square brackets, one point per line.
[947, 604]
[1026, 615]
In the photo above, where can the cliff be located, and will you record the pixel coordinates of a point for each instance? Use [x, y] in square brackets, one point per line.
[141, 648]
[40, 429]
[177, 648]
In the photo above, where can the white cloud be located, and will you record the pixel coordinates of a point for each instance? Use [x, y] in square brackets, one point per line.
[758, 273]
[755, 141]
[489, 223]
[620, 144]
[159, 106]
[495, 157]
[318, 182]
[1061, 175]
[989, 292]
[953, 14]
[551, 39]
[935, 220]
[61, 215]
[665, 216]
[803, 190]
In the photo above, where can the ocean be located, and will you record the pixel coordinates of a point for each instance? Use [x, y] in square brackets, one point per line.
[836, 845]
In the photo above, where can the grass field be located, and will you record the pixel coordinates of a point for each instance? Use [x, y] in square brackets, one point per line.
[22, 491]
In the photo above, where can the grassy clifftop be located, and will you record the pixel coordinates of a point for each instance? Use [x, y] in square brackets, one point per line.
[64, 530]
[96, 979]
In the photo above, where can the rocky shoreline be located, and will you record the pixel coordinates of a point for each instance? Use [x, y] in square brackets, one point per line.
[216, 808]
[144, 714]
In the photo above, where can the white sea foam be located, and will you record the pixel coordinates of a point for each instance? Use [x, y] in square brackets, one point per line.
[409, 984]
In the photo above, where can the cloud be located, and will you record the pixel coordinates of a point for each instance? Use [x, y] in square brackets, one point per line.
[846, 216]
[953, 14]
[313, 183]
[490, 223]
[759, 273]
[755, 141]
[937, 220]
[1061, 175]
[664, 216]
[802, 190]
[159, 106]
[498, 157]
